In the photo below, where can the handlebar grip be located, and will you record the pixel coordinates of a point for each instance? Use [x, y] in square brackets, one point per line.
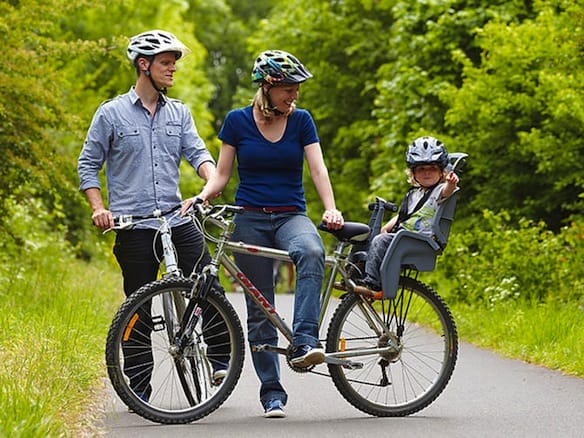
[390, 206]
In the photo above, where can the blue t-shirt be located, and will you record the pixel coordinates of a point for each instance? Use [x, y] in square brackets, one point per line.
[270, 173]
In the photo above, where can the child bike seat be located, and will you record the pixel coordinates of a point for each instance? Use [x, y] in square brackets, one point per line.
[417, 251]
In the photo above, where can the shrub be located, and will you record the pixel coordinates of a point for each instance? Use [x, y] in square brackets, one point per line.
[504, 261]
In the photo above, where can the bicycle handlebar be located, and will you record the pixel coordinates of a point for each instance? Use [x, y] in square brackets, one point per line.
[126, 221]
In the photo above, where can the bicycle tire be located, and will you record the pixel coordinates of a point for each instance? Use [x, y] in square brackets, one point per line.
[411, 378]
[181, 388]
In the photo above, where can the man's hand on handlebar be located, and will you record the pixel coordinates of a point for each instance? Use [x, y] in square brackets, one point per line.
[103, 219]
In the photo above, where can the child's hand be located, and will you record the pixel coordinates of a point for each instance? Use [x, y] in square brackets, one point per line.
[452, 179]
[450, 187]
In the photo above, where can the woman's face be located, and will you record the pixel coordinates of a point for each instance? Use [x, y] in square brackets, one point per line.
[283, 96]
[428, 175]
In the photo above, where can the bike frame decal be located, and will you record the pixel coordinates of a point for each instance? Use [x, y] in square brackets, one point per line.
[256, 293]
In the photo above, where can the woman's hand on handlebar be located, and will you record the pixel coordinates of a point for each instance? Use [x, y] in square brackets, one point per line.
[188, 203]
[333, 219]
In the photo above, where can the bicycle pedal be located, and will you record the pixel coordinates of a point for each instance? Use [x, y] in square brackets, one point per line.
[345, 363]
[266, 347]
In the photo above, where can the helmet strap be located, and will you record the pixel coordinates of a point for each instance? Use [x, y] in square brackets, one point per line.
[271, 106]
[161, 90]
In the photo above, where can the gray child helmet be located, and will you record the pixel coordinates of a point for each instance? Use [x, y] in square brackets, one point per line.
[427, 150]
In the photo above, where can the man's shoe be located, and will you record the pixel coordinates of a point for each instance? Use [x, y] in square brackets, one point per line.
[219, 372]
[274, 409]
[304, 355]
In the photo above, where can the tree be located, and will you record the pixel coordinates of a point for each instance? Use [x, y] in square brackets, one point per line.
[520, 114]
[32, 110]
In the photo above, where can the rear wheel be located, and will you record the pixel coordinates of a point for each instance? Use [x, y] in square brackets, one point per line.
[407, 377]
[159, 379]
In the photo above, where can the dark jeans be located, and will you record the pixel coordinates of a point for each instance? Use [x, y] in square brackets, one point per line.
[135, 254]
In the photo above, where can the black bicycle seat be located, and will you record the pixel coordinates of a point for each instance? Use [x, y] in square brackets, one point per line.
[352, 232]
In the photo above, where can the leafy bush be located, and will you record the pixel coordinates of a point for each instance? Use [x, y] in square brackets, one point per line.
[504, 261]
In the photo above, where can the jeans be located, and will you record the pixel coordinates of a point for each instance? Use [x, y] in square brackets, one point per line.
[135, 254]
[295, 233]
[377, 251]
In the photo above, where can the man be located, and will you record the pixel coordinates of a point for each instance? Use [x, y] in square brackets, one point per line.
[141, 136]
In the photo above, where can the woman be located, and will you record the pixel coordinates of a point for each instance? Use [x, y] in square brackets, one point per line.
[271, 139]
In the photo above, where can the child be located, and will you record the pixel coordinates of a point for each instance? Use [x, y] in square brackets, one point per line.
[432, 183]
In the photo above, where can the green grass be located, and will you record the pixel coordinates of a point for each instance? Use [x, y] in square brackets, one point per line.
[548, 334]
[56, 312]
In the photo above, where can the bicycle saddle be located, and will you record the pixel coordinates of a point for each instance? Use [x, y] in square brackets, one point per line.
[352, 232]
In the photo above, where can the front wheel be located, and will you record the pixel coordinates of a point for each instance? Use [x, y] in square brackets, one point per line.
[419, 345]
[165, 379]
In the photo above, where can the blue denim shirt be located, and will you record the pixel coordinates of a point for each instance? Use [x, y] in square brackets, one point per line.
[141, 153]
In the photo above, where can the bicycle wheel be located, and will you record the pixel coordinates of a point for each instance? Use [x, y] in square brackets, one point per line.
[415, 371]
[155, 376]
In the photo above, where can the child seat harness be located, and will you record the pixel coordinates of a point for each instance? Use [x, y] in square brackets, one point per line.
[403, 214]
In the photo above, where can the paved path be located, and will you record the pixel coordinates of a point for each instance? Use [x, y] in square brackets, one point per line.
[488, 396]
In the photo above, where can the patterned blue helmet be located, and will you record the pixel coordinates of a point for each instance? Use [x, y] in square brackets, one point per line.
[278, 67]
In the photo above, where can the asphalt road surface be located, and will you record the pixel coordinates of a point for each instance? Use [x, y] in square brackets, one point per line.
[488, 396]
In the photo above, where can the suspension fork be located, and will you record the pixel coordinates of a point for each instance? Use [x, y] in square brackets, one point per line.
[202, 285]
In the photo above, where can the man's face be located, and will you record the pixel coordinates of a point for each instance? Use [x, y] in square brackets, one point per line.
[163, 68]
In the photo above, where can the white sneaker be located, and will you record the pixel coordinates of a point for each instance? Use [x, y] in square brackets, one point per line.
[304, 356]
[218, 376]
[274, 409]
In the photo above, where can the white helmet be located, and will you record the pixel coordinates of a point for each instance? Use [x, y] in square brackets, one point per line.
[154, 42]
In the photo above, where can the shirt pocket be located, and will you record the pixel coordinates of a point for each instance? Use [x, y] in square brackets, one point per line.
[172, 138]
[129, 137]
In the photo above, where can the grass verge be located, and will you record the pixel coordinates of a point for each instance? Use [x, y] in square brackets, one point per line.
[547, 334]
[56, 312]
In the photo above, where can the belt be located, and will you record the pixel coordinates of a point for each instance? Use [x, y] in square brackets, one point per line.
[269, 210]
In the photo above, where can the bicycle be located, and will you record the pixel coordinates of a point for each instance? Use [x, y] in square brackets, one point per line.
[389, 354]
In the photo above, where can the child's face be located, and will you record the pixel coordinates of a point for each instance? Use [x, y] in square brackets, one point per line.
[428, 175]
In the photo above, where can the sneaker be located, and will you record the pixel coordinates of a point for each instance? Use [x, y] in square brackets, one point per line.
[305, 355]
[219, 372]
[274, 409]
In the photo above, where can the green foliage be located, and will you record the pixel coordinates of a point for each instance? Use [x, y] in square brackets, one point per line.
[520, 115]
[421, 44]
[31, 104]
[222, 26]
[503, 261]
[56, 311]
